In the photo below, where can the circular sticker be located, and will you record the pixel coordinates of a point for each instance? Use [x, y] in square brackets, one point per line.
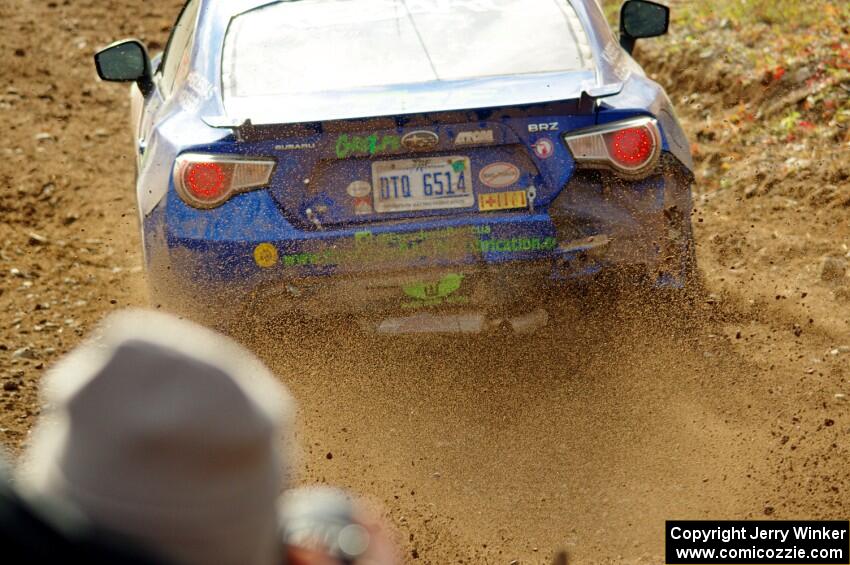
[499, 175]
[359, 189]
[265, 255]
[544, 148]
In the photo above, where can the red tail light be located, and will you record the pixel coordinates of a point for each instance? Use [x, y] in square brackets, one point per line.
[630, 148]
[207, 181]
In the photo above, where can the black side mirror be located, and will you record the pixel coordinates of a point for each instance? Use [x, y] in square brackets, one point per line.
[641, 18]
[125, 61]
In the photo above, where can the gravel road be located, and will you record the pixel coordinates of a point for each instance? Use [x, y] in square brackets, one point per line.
[585, 436]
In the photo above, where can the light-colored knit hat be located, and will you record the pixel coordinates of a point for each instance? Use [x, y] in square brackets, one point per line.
[168, 433]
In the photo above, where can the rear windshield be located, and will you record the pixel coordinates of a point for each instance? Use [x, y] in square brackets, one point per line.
[312, 46]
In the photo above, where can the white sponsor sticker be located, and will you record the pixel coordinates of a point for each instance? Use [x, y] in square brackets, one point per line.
[198, 89]
[474, 137]
[200, 85]
[359, 189]
[499, 175]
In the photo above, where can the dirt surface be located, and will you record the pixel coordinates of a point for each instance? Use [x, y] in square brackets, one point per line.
[586, 436]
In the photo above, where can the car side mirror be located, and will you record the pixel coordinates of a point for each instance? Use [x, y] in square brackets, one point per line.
[125, 61]
[640, 19]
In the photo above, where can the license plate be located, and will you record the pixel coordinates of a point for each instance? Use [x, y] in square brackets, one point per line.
[422, 184]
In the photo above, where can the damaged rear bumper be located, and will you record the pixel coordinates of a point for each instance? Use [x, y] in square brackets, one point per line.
[483, 262]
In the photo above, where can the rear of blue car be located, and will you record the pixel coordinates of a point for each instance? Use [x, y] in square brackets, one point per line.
[485, 207]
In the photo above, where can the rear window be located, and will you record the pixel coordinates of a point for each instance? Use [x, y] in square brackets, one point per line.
[312, 46]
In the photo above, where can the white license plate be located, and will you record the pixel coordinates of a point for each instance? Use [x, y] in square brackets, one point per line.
[422, 184]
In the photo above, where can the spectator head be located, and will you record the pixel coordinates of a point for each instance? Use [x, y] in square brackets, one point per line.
[168, 433]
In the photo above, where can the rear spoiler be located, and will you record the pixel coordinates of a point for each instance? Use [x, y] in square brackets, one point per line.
[588, 102]
[590, 96]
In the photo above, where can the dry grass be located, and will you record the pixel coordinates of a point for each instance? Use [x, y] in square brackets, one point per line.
[784, 15]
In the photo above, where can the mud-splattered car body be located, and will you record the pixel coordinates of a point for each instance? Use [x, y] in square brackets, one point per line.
[452, 191]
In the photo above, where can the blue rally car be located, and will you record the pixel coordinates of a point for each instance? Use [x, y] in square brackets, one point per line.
[377, 157]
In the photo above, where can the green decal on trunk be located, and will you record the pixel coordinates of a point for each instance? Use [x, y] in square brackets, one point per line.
[347, 145]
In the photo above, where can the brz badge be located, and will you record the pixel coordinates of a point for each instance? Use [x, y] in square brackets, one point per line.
[420, 140]
[548, 126]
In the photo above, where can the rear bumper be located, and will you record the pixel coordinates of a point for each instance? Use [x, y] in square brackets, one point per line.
[495, 287]
[245, 253]
[402, 273]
